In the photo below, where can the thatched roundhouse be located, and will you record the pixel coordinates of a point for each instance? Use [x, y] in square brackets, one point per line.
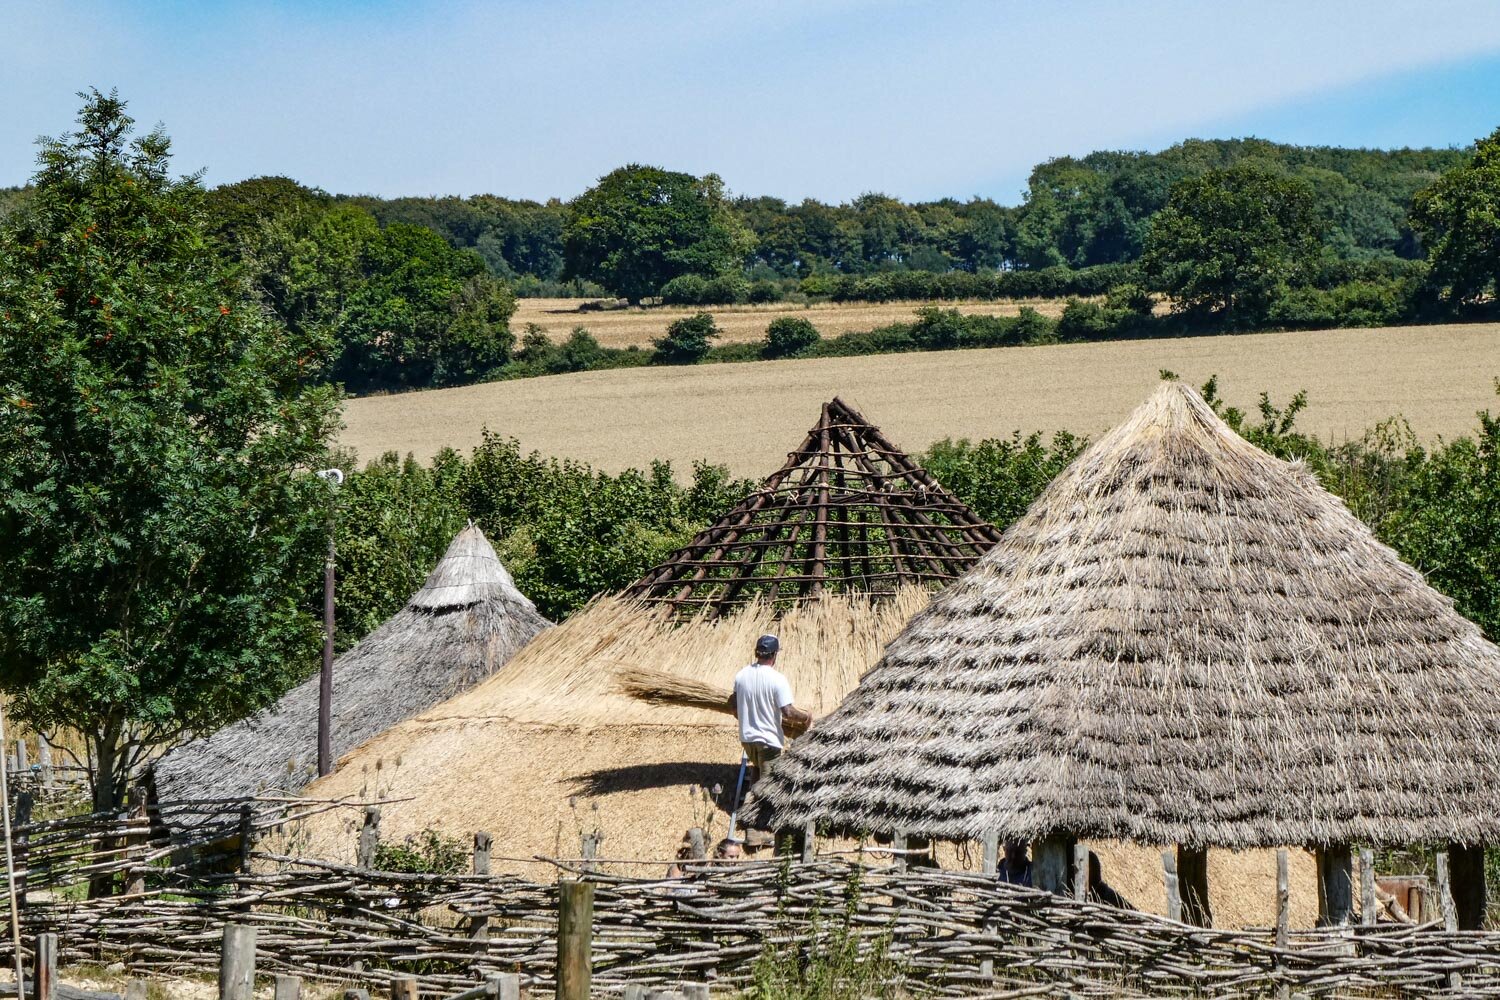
[835, 551]
[465, 623]
[1183, 641]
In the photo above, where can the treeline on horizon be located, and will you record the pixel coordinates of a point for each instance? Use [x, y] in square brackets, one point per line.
[1232, 234]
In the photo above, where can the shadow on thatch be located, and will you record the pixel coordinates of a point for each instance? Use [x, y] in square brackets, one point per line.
[640, 777]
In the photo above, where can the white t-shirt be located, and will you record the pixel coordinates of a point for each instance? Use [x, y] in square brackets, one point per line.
[760, 693]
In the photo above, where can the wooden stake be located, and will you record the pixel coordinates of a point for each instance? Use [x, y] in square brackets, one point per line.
[482, 843]
[237, 963]
[1445, 893]
[44, 986]
[369, 837]
[809, 844]
[288, 988]
[1283, 899]
[898, 846]
[575, 933]
[404, 988]
[1174, 890]
[136, 882]
[44, 758]
[1080, 873]
[990, 853]
[1369, 907]
[696, 845]
[505, 986]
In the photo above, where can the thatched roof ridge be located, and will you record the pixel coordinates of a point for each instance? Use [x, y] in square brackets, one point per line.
[848, 513]
[1184, 640]
[465, 623]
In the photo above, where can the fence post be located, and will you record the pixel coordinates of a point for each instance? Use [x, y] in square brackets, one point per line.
[1445, 893]
[369, 838]
[695, 991]
[898, 846]
[288, 988]
[247, 835]
[1080, 868]
[135, 881]
[1174, 890]
[237, 963]
[589, 850]
[44, 758]
[1283, 899]
[25, 800]
[482, 843]
[575, 932]
[135, 989]
[23, 761]
[1369, 908]
[990, 865]
[634, 991]
[505, 986]
[809, 844]
[404, 988]
[44, 974]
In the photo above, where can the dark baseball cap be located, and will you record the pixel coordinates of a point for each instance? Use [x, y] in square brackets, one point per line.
[767, 645]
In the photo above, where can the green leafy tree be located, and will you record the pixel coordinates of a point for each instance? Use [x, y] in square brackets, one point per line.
[422, 314]
[1459, 220]
[158, 523]
[686, 340]
[1230, 240]
[788, 336]
[640, 227]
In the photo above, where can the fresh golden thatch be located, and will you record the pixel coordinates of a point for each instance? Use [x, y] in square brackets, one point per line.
[465, 623]
[553, 744]
[657, 687]
[1184, 640]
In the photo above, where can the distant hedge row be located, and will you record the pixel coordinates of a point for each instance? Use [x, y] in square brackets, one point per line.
[900, 286]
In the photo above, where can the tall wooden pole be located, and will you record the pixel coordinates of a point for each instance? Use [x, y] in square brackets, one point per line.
[10, 867]
[335, 479]
[575, 930]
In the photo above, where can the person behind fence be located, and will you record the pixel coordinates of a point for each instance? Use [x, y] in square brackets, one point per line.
[762, 702]
[1015, 867]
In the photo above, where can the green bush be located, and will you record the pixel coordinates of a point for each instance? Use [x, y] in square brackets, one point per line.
[939, 329]
[788, 336]
[1130, 297]
[726, 290]
[1031, 327]
[684, 290]
[686, 340]
[765, 291]
[425, 853]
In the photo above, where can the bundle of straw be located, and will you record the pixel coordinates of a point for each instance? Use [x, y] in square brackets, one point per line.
[659, 687]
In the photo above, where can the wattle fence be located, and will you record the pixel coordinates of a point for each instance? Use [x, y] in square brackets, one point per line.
[935, 933]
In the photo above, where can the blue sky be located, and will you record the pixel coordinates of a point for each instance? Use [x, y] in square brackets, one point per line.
[819, 98]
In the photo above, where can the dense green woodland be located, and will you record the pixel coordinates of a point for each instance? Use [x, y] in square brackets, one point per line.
[169, 360]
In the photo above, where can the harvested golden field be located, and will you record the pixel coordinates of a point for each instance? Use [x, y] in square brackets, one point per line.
[747, 416]
[640, 325]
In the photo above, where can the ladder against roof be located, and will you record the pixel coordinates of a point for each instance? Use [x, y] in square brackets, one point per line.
[848, 512]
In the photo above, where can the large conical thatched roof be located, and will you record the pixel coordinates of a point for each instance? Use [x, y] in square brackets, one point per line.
[1183, 640]
[463, 625]
[849, 513]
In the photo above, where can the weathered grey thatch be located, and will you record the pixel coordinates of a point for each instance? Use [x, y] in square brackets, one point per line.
[1184, 640]
[463, 625]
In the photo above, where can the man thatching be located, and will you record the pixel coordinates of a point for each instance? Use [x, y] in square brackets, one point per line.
[762, 702]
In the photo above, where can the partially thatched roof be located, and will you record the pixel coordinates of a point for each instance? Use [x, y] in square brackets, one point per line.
[1183, 640]
[552, 742]
[849, 513]
[464, 624]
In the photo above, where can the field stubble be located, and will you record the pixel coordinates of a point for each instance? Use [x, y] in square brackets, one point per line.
[747, 415]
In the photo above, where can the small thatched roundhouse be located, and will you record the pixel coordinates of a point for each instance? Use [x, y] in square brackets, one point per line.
[1183, 641]
[464, 624]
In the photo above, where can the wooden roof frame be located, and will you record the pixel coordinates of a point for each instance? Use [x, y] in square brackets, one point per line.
[848, 512]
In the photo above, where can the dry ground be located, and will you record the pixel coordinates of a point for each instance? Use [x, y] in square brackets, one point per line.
[748, 415]
[639, 326]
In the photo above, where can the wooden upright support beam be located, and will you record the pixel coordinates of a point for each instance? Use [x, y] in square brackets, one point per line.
[575, 940]
[1335, 885]
[1283, 899]
[1051, 859]
[1369, 906]
[44, 974]
[369, 837]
